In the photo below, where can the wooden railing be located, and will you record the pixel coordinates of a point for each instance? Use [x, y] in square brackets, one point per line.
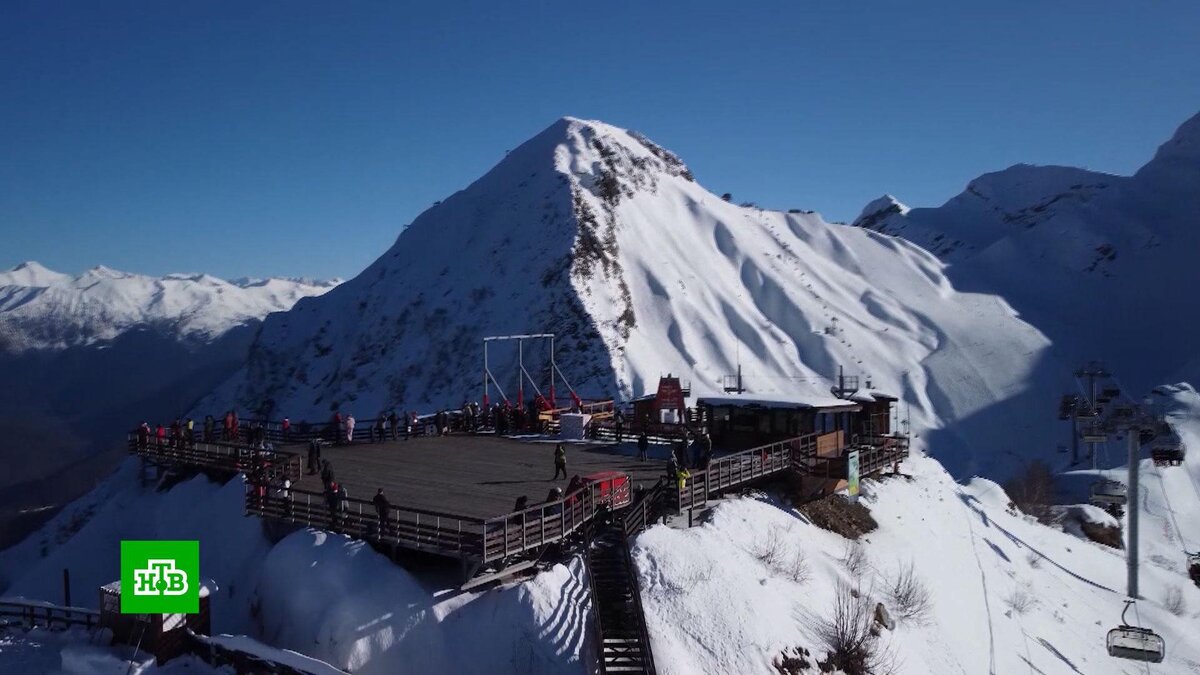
[439, 532]
[647, 509]
[418, 529]
[656, 432]
[548, 523]
[742, 467]
[220, 456]
[31, 613]
[873, 459]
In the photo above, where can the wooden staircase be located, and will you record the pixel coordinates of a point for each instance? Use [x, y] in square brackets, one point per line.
[624, 646]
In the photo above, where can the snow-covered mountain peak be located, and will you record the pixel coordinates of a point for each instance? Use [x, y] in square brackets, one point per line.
[1185, 144]
[605, 239]
[879, 209]
[32, 274]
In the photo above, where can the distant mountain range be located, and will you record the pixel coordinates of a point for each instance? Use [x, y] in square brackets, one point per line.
[46, 310]
[86, 357]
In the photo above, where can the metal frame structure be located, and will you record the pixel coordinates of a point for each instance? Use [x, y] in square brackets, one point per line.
[524, 375]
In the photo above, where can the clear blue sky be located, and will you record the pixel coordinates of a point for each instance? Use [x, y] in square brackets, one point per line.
[298, 138]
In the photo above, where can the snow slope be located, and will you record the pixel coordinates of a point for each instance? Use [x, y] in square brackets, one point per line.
[316, 593]
[604, 238]
[43, 309]
[1103, 265]
[714, 607]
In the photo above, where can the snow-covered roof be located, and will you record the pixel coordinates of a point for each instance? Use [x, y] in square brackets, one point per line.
[796, 403]
[871, 396]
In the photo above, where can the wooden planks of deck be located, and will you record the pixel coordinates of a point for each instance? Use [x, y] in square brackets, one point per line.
[467, 475]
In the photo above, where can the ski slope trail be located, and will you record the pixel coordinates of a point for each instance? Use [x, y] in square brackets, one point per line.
[1008, 595]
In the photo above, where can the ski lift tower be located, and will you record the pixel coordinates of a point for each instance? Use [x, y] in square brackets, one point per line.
[1133, 421]
[846, 386]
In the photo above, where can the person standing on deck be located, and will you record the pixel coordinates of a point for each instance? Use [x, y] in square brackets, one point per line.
[160, 437]
[349, 428]
[326, 474]
[208, 428]
[191, 433]
[226, 426]
[286, 428]
[331, 498]
[343, 498]
[682, 478]
[314, 456]
[394, 422]
[619, 423]
[560, 461]
[143, 436]
[381, 509]
[336, 435]
[643, 446]
[706, 449]
[697, 451]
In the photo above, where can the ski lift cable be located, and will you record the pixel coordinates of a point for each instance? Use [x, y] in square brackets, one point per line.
[1171, 510]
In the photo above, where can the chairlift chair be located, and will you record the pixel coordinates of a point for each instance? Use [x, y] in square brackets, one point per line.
[1093, 434]
[1066, 406]
[1168, 450]
[1193, 563]
[1108, 493]
[1135, 643]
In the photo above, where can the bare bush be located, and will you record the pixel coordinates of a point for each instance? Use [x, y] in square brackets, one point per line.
[1020, 601]
[798, 569]
[910, 595]
[854, 557]
[1174, 602]
[847, 634]
[770, 551]
[1032, 491]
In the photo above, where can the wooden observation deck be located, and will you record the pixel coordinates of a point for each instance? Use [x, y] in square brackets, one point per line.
[454, 495]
